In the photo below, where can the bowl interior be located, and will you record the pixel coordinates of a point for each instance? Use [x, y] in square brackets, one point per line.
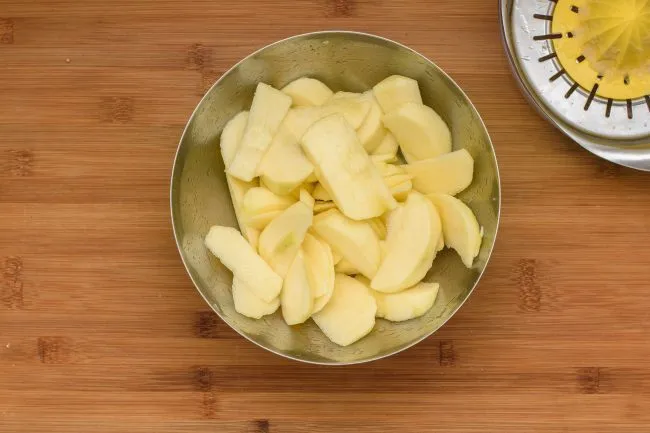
[344, 61]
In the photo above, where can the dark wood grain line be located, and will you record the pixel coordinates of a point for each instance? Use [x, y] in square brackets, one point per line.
[6, 31]
[530, 292]
[447, 353]
[588, 380]
[12, 283]
[19, 162]
[340, 8]
[54, 350]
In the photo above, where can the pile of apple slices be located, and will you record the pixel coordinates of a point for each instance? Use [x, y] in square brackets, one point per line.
[333, 227]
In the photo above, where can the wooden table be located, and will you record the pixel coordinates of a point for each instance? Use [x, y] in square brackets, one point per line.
[102, 331]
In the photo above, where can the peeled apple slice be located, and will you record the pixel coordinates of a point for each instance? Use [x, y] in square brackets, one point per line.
[230, 138]
[352, 107]
[459, 225]
[248, 304]
[320, 270]
[350, 313]
[322, 206]
[378, 226]
[261, 220]
[447, 174]
[420, 132]
[372, 131]
[267, 112]
[307, 92]
[354, 240]
[396, 91]
[387, 148]
[410, 246]
[284, 167]
[260, 200]
[281, 239]
[407, 304]
[296, 297]
[345, 267]
[344, 169]
[228, 245]
[321, 193]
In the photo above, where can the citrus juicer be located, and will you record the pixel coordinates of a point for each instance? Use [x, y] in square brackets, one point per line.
[585, 65]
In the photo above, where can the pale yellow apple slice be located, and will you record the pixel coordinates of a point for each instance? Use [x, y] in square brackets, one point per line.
[400, 186]
[387, 148]
[410, 243]
[420, 132]
[447, 174]
[320, 193]
[228, 245]
[459, 225]
[261, 220]
[281, 238]
[379, 227]
[248, 304]
[320, 270]
[350, 313]
[372, 131]
[307, 92]
[396, 91]
[337, 257]
[267, 111]
[353, 108]
[230, 138]
[260, 200]
[322, 206]
[296, 299]
[344, 169]
[285, 167]
[407, 304]
[345, 267]
[354, 240]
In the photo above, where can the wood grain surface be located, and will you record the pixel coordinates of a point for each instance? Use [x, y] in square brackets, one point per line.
[102, 331]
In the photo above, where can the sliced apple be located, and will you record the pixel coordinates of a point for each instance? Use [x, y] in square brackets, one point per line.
[285, 167]
[345, 267]
[372, 131]
[396, 91]
[228, 245]
[410, 245]
[407, 304]
[320, 270]
[352, 107]
[379, 227]
[230, 139]
[354, 240]
[260, 200]
[248, 304]
[261, 220]
[446, 174]
[400, 186]
[344, 169]
[387, 148]
[296, 298]
[420, 132]
[337, 257]
[307, 92]
[459, 225]
[350, 313]
[320, 193]
[322, 206]
[281, 239]
[268, 109]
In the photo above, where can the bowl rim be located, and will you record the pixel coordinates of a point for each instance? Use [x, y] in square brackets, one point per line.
[175, 218]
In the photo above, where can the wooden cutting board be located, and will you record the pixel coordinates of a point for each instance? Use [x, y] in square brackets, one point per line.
[102, 331]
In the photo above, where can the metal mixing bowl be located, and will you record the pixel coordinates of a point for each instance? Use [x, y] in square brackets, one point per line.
[344, 61]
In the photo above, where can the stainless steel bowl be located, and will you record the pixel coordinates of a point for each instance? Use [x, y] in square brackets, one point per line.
[200, 197]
